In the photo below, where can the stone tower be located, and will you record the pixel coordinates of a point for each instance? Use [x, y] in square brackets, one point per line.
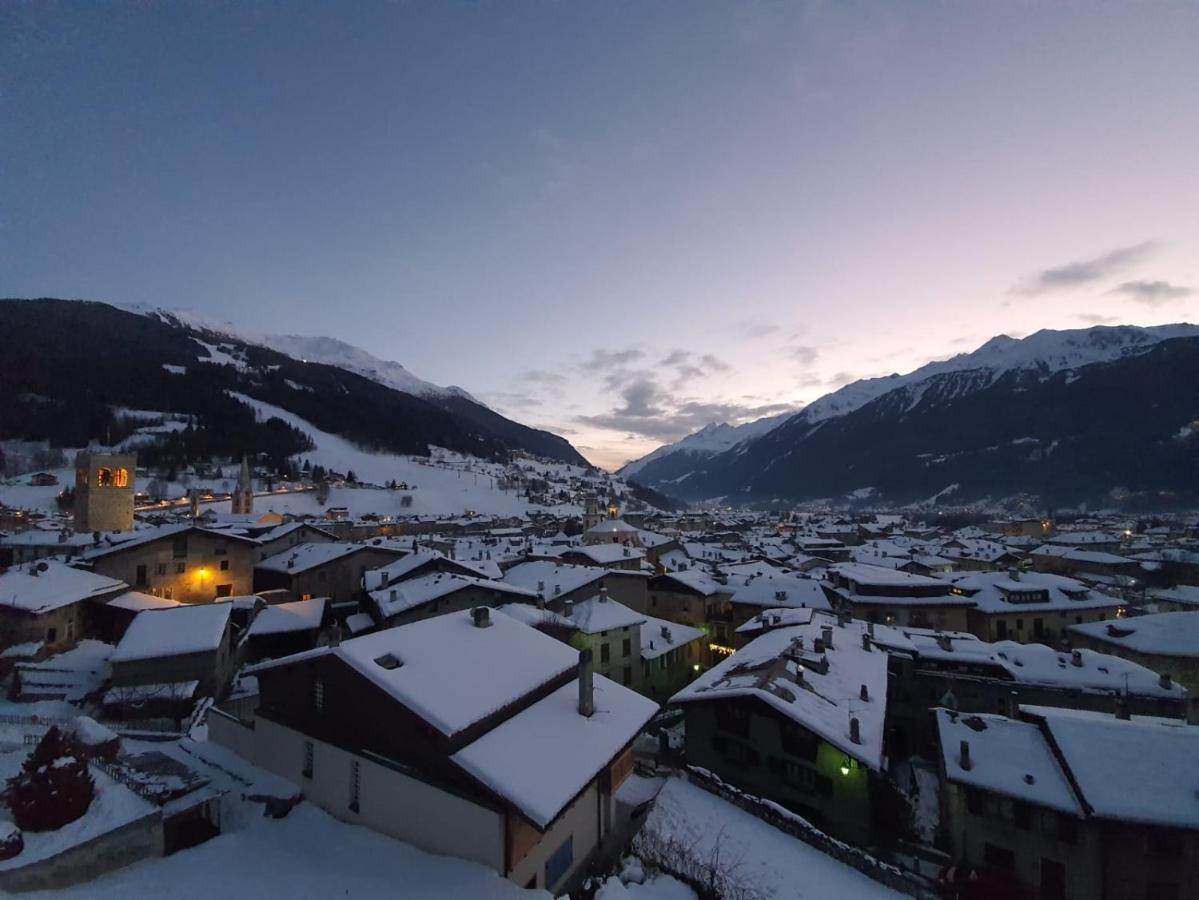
[104, 488]
[243, 494]
[591, 512]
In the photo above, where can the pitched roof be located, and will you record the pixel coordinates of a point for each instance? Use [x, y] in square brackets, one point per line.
[451, 673]
[46, 585]
[768, 668]
[1007, 756]
[155, 633]
[541, 758]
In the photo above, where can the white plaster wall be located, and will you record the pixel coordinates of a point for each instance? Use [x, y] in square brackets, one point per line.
[389, 801]
[581, 820]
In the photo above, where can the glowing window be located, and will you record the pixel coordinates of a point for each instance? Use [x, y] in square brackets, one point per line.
[112, 477]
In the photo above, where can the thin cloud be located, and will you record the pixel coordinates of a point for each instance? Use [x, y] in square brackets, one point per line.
[650, 411]
[804, 354]
[601, 359]
[1086, 271]
[1152, 293]
[1096, 319]
[543, 377]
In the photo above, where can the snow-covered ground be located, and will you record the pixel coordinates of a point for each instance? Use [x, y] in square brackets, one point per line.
[769, 862]
[308, 854]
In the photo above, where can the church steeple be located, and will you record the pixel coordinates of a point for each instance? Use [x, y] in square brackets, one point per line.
[243, 494]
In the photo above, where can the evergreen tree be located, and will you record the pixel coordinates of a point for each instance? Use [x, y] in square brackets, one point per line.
[53, 787]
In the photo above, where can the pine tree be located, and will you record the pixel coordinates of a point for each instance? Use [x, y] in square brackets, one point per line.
[53, 787]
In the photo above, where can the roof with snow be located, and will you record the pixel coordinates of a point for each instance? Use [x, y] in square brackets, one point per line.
[609, 526]
[303, 557]
[1031, 663]
[551, 578]
[778, 589]
[600, 613]
[1161, 634]
[659, 637]
[155, 633]
[283, 618]
[1007, 756]
[824, 699]
[541, 758]
[696, 580]
[137, 601]
[607, 554]
[776, 618]
[45, 585]
[1136, 770]
[406, 595]
[451, 673]
[999, 592]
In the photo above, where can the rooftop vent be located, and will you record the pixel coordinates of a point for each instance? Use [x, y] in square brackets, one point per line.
[1076, 658]
[855, 730]
[826, 632]
[481, 617]
[964, 756]
[388, 661]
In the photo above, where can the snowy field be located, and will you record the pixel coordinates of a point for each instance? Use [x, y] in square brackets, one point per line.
[446, 484]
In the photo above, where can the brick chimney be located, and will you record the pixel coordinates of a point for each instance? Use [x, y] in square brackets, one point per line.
[586, 686]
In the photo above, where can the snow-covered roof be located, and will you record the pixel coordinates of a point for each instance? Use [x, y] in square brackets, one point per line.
[155, 633]
[450, 672]
[607, 554]
[998, 592]
[46, 585]
[696, 580]
[1007, 756]
[1161, 634]
[1137, 770]
[541, 758]
[600, 613]
[405, 595]
[776, 618]
[768, 668]
[137, 601]
[300, 615]
[778, 589]
[303, 557]
[659, 637]
[126, 540]
[611, 526]
[1037, 663]
[535, 616]
[880, 576]
[359, 622]
[550, 575]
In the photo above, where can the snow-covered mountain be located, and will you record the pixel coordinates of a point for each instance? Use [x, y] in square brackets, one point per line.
[710, 440]
[1043, 354]
[326, 350]
[1047, 351]
[334, 352]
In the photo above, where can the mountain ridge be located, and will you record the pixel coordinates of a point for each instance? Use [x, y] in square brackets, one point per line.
[1047, 350]
[795, 460]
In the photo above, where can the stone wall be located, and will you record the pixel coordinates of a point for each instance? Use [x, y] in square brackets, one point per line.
[138, 840]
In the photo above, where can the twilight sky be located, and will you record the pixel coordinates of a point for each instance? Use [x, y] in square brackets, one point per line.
[616, 220]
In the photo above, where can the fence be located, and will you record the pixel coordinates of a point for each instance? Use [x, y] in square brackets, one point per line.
[125, 725]
[789, 823]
